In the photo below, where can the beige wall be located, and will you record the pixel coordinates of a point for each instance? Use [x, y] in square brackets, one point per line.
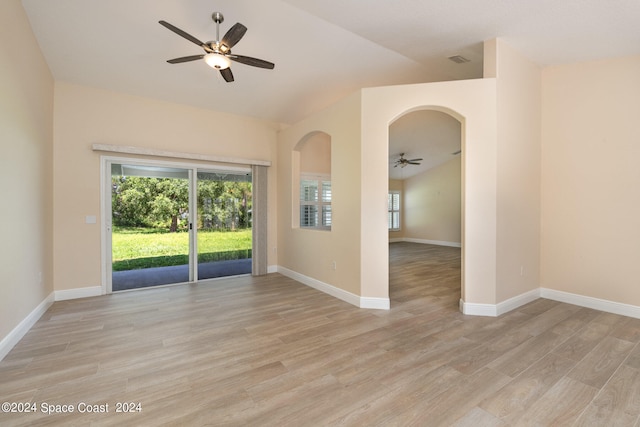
[312, 252]
[358, 127]
[84, 116]
[432, 204]
[518, 173]
[26, 134]
[500, 179]
[590, 179]
[398, 185]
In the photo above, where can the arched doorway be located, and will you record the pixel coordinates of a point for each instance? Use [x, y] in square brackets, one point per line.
[425, 202]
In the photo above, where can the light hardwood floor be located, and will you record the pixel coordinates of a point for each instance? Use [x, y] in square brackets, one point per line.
[271, 352]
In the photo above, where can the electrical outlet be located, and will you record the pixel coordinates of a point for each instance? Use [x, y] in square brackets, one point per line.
[334, 265]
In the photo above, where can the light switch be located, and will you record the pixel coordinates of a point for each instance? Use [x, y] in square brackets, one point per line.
[90, 219]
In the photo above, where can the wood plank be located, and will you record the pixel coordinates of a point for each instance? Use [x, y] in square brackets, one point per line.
[598, 366]
[478, 417]
[560, 406]
[518, 359]
[511, 401]
[618, 404]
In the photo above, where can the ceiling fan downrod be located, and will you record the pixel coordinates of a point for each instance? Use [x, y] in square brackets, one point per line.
[218, 18]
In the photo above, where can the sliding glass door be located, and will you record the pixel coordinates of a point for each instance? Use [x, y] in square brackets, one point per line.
[150, 232]
[224, 224]
[173, 225]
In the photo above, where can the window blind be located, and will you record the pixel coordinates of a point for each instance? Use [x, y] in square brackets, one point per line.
[315, 202]
[394, 211]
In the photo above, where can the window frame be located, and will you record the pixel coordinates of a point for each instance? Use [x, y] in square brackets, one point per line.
[391, 211]
[321, 204]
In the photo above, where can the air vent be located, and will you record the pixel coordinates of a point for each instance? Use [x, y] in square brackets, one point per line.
[459, 59]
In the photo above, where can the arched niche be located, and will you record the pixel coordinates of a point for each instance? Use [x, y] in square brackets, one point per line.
[311, 178]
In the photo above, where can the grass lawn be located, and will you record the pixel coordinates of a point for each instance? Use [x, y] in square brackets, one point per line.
[134, 248]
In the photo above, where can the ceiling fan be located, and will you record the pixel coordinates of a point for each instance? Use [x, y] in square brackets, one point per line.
[402, 162]
[218, 53]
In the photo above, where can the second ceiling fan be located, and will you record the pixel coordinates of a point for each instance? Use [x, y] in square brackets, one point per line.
[402, 162]
[218, 52]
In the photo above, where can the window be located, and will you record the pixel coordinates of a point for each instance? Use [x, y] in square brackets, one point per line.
[311, 192]
[394, 211]
[315, 202]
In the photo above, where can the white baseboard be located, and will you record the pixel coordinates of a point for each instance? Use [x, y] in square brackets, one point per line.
[23, 327]
[517, 301]
[375, 303]
[358, 301]
[473, 309]
[494, 310]
[272, 269]
[427, 242]
[590, 302]
[67, 294]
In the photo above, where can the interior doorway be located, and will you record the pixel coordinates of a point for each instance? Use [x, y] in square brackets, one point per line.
[425, 186]
[169, 224]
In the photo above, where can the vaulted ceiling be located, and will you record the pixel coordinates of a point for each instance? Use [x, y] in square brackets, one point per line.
[322, 50]
[432, 136]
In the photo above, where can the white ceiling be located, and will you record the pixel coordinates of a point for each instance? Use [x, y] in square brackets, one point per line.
[323, 50]
[431, 135]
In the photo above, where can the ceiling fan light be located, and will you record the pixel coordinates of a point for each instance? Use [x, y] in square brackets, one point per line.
[217, 61]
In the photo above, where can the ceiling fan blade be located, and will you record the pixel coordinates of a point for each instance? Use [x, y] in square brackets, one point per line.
[412, 163]
[234, 35]
[181, 33]
[227, 75]
[414, 160]
[254, 62]
[185, 59]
